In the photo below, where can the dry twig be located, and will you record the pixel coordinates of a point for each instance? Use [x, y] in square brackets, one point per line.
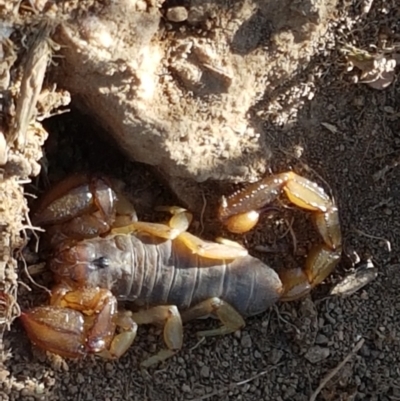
[203, 209]
[237, 384]
[334, 371]
[38, 57]
[387, 242]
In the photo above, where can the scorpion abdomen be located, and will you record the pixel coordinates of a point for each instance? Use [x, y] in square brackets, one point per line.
[172, 275]
[149, 271]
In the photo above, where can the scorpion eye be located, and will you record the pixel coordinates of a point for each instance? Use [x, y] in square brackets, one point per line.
[102, 262]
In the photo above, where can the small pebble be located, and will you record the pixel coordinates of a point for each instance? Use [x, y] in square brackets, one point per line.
[205, 371]
[321, 339]
[177, 14]
[196, 15]
[80, 379]
[186, 388]
[317, 354]
[275, 356]
[245, 342]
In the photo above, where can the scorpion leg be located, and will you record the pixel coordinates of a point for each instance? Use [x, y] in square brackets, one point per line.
[231, 320]
[176, 230]
[79, 322]
[169, 316]
[178, 224]
[212, 250]
[240, 212]
[121, 341]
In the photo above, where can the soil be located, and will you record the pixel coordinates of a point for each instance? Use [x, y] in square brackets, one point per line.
[342, 134]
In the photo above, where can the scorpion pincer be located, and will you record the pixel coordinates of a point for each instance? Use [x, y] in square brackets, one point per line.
[100, 255]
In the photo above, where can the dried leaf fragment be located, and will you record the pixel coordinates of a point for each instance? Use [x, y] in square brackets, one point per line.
[355, 281]
[330, 127]
[38, 57]
[377, 70]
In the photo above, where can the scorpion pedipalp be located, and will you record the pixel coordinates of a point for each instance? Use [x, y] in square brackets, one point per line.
[80, 321]
[78, 207]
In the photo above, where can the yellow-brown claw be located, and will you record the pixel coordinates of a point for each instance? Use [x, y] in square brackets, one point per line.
[79, 207]
[55, 329]
[79, 322]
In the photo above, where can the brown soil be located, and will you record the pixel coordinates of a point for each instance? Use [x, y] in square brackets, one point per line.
[345, 135]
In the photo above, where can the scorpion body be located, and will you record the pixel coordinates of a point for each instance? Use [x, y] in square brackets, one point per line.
[148, 272]
[100, 255]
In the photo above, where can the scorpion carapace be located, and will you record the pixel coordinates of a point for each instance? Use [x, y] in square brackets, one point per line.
[170, 275]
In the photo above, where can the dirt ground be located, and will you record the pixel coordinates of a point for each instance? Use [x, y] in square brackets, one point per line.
[346, 137]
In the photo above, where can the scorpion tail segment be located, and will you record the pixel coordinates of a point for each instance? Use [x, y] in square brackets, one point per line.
[248, 201]
[295, 284]
[328, 226]
[309, 196]
[305, 194]
[321, 261]
[167, 315]
[242, 222]
[240, 211]
[324, 257]
[56, 329]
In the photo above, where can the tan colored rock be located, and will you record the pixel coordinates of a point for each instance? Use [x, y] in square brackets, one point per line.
[189, 101]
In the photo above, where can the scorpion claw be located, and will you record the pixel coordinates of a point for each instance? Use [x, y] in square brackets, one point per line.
[79, 322]
[56, 329]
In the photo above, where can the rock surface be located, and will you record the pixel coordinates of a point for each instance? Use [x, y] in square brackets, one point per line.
[312, 114]
[186, 97]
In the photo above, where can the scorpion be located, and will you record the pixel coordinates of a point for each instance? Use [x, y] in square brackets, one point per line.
[100, 255]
